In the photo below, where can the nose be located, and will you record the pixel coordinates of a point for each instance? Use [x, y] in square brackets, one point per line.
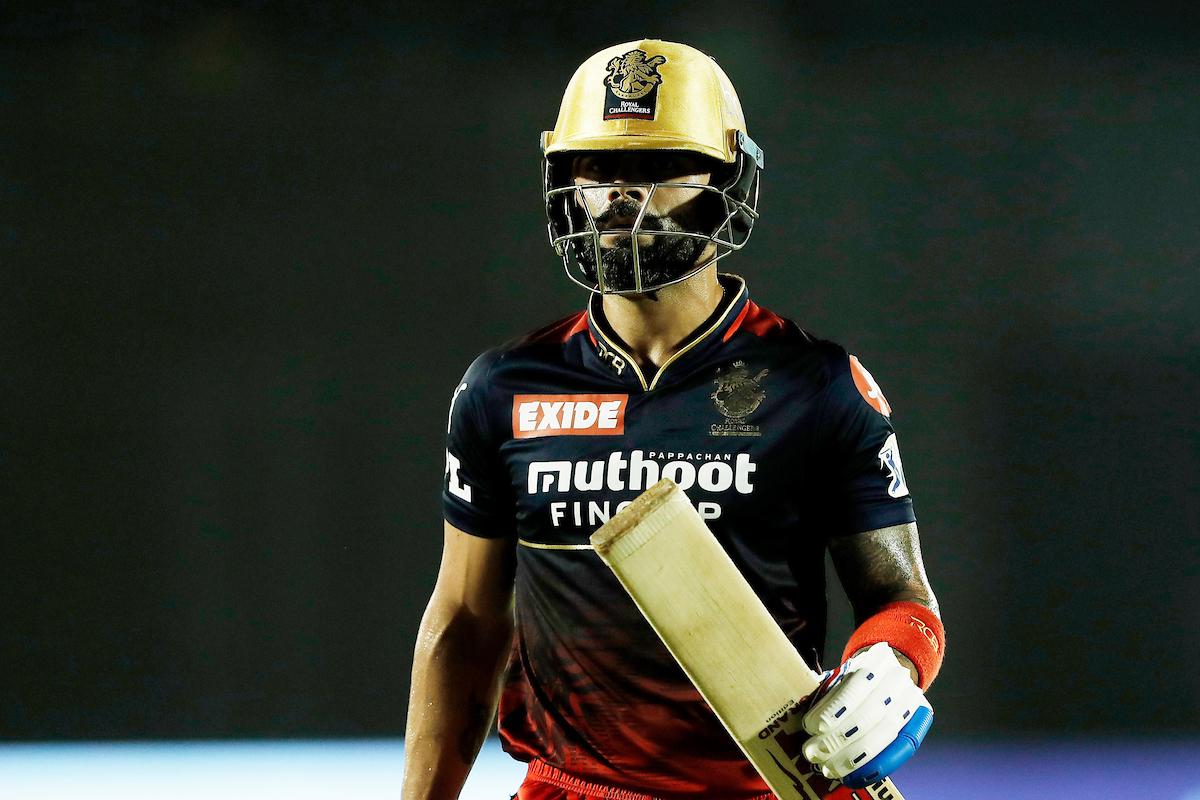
[621, 191]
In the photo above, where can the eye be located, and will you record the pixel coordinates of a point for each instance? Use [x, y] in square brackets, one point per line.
[595, 166]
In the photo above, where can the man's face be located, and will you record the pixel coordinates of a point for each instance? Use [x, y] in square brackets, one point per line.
[661, 257]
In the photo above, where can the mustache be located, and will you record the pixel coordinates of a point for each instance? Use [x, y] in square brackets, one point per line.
[627, 209]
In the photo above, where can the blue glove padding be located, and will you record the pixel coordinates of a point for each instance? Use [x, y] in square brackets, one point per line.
[901, 750]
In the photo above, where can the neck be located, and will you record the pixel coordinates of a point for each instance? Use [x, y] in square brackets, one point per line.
[654, 328]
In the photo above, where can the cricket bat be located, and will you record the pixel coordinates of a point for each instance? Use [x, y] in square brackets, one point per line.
[718, 630]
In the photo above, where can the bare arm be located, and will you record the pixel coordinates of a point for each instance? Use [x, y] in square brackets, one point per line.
[880, 567]
[462, 648]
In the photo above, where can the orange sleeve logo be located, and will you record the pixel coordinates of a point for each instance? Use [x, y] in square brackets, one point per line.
[868, 388]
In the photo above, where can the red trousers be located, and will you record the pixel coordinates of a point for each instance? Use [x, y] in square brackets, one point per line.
[544, 782]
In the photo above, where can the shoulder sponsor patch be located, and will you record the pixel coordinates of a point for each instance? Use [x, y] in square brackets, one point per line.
[868, 388]
[568, 415]
[889, 461]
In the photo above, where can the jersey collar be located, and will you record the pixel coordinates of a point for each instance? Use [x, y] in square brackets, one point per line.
[612, 354]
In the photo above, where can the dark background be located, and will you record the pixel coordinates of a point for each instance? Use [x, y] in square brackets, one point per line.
[246, 252]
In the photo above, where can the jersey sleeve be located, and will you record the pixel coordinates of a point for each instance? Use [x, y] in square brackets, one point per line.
[476, 494]
[866, 476]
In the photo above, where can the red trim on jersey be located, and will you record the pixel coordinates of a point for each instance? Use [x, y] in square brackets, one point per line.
[737, 323]
[757, 320]
[559, 331]
[581, 324]
[762, 322]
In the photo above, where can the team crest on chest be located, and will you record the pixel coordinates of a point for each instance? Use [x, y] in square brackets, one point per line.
[737, 396]
[631, 88]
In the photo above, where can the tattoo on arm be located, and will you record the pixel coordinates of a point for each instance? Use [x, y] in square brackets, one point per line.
[474, 731]
[880, 567]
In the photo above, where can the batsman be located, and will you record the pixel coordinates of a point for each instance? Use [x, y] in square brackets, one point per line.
[782, 440]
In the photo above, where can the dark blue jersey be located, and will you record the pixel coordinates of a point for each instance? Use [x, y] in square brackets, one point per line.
[781, 440]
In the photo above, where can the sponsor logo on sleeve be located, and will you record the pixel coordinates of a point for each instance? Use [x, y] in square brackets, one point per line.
[868, 388]
[454, 481]
[536, 415]
[889, 459]
[454, 399]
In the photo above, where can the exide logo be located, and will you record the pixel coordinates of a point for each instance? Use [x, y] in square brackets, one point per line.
[568, 415]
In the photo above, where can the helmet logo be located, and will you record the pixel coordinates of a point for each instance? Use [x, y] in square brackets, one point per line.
[631, 88]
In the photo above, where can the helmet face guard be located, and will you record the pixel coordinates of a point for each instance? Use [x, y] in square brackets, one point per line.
[575, 235]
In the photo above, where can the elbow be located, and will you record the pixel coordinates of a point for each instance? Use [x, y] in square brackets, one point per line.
[454, 630]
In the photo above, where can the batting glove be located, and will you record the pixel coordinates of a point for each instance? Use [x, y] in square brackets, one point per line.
[866, 719]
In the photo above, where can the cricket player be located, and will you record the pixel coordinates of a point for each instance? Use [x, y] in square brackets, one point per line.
[782, 440]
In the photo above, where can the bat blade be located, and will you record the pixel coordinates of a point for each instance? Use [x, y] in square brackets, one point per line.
[718, 630]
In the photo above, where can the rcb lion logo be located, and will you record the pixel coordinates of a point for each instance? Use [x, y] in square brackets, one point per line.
[634, 75]
[737, 396]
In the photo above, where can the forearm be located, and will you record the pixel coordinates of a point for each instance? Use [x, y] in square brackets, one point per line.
[880, 569]
[457, 668]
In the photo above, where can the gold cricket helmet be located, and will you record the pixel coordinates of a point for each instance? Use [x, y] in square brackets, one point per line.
[643, 96]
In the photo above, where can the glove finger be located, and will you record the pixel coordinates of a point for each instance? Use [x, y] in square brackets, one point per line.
[859, 751]
[859, 680]
[878, 704]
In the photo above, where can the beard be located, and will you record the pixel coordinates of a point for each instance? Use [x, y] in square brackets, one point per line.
[668, 255]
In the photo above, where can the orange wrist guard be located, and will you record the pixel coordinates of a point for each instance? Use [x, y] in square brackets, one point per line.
[909, 628]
